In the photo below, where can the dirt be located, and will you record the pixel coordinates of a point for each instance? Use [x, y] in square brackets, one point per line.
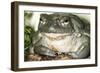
[36, 57]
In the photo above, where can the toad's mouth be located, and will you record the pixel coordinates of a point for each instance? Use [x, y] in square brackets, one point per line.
[56, 36]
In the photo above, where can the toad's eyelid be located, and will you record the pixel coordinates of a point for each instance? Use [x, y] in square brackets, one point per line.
[66, 23]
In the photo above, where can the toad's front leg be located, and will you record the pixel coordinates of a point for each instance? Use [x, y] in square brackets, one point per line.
[42, 50]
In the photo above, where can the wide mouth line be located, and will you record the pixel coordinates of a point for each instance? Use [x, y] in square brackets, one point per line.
[56, 35]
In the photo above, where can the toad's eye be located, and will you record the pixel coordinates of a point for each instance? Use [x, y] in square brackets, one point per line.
[65, 23]
[66, 20]
[42, 21]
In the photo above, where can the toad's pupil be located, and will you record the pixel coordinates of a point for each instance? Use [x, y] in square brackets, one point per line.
[40, 19]
[66, 20]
